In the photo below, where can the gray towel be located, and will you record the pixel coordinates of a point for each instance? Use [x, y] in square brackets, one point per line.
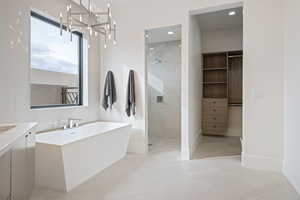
[130, 96]
[109, 96]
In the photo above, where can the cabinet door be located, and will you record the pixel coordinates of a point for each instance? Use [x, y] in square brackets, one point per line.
[5, 176]
[19, 170]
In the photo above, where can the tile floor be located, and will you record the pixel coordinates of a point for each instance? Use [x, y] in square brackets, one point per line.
[161, 176]
[218, 147]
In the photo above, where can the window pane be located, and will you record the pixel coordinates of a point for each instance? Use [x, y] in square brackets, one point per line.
[55, 65]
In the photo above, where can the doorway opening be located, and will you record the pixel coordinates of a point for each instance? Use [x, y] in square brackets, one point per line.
[222, 82]
[163, 69]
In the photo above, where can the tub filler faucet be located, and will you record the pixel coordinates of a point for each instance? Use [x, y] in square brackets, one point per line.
[72, 123]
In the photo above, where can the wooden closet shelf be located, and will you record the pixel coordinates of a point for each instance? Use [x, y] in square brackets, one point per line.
[235, 104]
[236, 56]
[207, 83]
[214, 68]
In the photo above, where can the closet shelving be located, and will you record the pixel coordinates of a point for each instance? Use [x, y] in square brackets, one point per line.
[219, 69]
[215, 68]
[222, 87]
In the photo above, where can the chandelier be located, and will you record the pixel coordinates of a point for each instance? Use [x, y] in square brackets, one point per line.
[95, 23]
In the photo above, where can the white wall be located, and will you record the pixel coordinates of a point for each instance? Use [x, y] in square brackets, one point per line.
[15, 68]
[163, 64]
[263, 84]
[194, 85]
[292, 94]
[263, 58]
[222, 40]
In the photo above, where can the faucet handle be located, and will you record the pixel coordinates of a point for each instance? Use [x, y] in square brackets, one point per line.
[76, 124]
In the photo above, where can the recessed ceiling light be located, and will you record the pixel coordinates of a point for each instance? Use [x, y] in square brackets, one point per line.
[231, 13]
[147, 36]
[171, 33]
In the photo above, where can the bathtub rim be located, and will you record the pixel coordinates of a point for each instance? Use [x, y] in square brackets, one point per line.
[125, 125]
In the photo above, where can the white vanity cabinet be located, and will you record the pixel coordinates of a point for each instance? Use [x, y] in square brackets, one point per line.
[17, 169]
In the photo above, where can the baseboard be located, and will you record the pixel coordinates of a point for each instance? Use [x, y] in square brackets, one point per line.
[137, 143]
[261, 162]
[196, 143]
[136, 147]
[291, 179]
[185, 155]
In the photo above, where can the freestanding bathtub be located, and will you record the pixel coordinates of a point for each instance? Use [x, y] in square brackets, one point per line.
[67, 158]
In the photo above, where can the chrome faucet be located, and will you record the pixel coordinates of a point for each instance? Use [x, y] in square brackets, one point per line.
[72, 123]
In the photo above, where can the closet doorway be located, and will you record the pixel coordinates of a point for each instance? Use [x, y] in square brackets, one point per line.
[163, 68]
[222, 82]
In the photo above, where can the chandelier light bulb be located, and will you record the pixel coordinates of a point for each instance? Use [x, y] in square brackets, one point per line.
[114, 42]
[80, 18]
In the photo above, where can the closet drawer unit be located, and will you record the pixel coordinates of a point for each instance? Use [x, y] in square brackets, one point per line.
[214, 118]
[215, 111]
[214, 128]
[214, 103]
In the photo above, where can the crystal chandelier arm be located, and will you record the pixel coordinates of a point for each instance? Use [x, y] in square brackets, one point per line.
[100, 24]
[79, 25]
[101, 13]
[79, 13]
[100, 31]
[82, 23]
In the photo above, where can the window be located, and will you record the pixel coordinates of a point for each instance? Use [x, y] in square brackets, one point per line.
[56, 65]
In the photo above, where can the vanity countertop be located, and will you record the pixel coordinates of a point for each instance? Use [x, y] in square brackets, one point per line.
[9, 133]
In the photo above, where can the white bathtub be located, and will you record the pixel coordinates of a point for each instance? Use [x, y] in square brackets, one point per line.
[67, 158]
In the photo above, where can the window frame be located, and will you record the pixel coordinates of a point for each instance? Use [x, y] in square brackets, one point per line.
[80, 57]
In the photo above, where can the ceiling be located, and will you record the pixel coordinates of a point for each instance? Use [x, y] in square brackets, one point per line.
[220, 20]
[161, 34]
